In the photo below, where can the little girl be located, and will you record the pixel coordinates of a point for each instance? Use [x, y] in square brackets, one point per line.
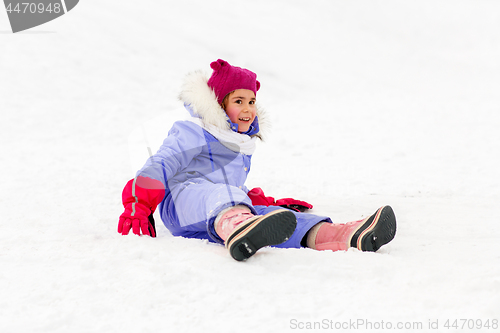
[197, 179]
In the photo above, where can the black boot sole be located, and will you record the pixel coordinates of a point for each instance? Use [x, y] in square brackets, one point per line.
[378, 230]
[271, 229]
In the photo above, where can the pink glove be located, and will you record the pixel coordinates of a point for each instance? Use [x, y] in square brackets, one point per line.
[140, 198]
[258, 198]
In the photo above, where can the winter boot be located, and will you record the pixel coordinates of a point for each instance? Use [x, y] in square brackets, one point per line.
[366, 235]
[244, 233]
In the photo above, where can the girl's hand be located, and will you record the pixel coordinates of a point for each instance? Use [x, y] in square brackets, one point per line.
[140, 198]
[139, 222]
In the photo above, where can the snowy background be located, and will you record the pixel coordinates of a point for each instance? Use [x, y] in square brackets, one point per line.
[372, 103]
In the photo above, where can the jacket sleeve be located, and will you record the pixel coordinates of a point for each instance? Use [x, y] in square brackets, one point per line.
[182, 145]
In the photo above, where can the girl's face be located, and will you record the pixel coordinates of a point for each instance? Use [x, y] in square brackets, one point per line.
[240, 108]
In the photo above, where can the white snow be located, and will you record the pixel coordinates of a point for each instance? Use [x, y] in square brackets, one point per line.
[372, 103]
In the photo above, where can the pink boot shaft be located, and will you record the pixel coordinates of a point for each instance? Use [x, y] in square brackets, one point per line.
[229, 219]
[332, 236]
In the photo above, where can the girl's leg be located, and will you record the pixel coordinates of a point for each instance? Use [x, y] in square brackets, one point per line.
[319, 233]
[366, 235]
[225, 214]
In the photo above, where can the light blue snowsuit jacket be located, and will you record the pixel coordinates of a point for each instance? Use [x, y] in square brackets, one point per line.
[202, 176]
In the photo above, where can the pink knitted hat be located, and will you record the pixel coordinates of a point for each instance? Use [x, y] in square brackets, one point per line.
[226, 78]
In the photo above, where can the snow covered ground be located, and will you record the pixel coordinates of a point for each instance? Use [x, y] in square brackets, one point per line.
[372, 102]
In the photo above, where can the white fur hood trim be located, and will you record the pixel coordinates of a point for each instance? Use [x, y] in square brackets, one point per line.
[202, 99]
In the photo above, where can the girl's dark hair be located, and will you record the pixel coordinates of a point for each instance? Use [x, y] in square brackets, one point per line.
[224, 101]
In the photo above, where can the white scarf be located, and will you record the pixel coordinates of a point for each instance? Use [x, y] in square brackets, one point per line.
[237, 142]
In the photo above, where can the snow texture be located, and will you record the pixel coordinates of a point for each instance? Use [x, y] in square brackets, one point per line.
[371, 102]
